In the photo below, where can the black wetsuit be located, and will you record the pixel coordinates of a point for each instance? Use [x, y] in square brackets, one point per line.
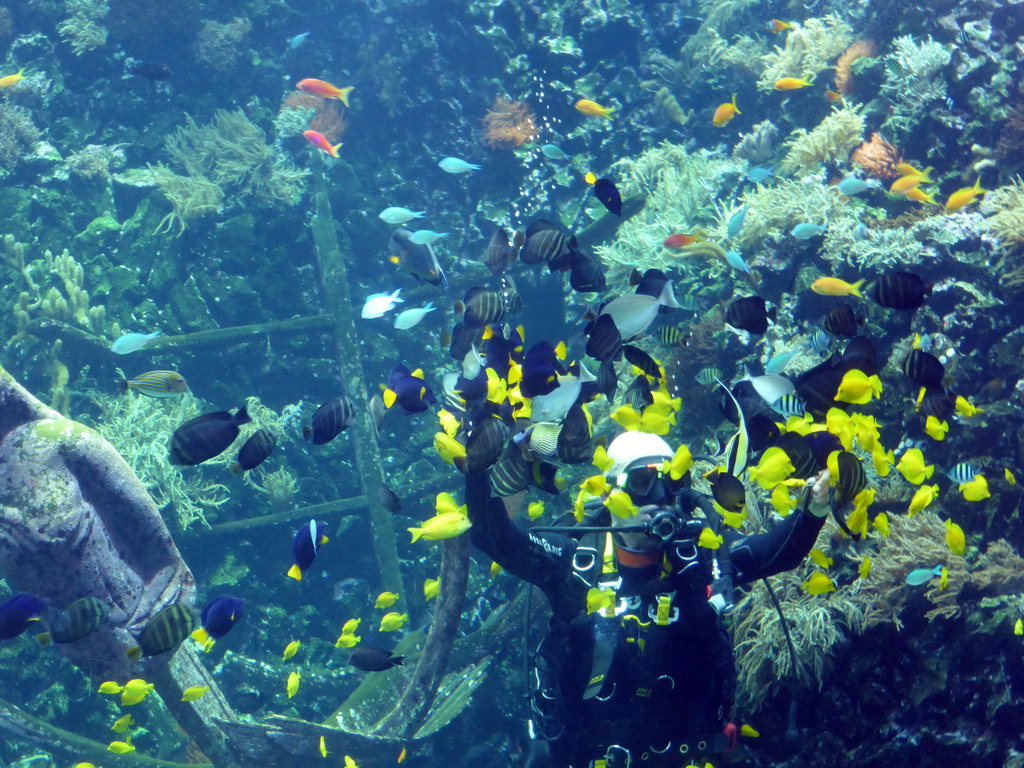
[666, 684]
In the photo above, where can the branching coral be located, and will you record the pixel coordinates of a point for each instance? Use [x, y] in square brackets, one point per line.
[808, 50]
[819, 623]
[773, 211]
[139, 428]
[303, 111]
[226, 158]
[913, 79]
[18, 134]
[509, 124]
[1004, 209]
[81, 29]
[878, 157]
[830, 141]
[680, 190]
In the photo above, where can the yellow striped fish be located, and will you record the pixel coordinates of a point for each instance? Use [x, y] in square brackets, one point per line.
[156, 384]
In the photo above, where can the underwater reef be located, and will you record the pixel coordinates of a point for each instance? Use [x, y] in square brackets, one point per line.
[155, 178]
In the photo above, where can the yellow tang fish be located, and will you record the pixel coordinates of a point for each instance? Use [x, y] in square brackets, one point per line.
[386, 600]
[123, 723]
[431, 588]
[293, 683]
[865, 567]
[393, 621]
[709, 539]
[194, 692]
[955, 539]
[120, 747]
[818, 584]
[290, 650]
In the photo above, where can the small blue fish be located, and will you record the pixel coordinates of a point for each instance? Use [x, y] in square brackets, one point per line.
[778, 363]
[132, 342]
[861, 231]
[295, 42]
[736, 222]
[457, 165]
[554, 152]
[806, 230]
[920, 576]
[759, 174]
[735, 260]
[851, 185]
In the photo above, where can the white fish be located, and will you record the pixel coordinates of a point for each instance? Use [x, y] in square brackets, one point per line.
[455, 165]
[398, 215]
[633, 312]
[735, 260]
[378, 304]
[770, 388]
[554, 405]
[411, 317]
[295, 42]
[472, 364]
[426, 236]
[132, 342]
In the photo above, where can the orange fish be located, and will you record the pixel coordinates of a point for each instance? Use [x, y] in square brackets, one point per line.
[918, 195]
[833, 97]
[905, 183]
[593, 109]
[775, 26]
[680, 241]
[401, 756]
[793, 83]
[9, 80]
[725, 113]
[833, 286]
[320, 141]
[324, 89]
[964, 197]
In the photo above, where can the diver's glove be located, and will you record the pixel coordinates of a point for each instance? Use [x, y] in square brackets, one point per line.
[818, 504]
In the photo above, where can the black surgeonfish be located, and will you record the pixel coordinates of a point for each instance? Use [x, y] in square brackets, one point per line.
[750, 314]
[924, 368]
[604, 342]
[255, 451]
[330, 420]
[205, 436]
[899, 290]
[373, 659]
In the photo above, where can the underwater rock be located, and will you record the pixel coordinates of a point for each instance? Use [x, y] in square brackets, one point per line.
[74, 521]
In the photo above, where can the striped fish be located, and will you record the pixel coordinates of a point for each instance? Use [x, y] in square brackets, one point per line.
[672, 335]
[790, 405]
[510, 473]
[156, 384]
[708, 376]
[483, 307]
[375, 406]
[963, 472]
[165, 631]
[820, 343]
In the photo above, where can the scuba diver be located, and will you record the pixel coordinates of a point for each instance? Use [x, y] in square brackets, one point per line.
[649, 680]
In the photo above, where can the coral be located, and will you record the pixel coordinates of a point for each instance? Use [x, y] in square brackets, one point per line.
[819, 625]
[139, 427]
[844, 67]
[509, 124]
[190, 198]
[913, 79]
[758, 146]
[878, 157]
[221, 45]
[667, 109]
[680, 190]
[70, 306]
[1000, 570]
[828, 142]
[81, 29]
[96, 160]
[1004, 211]
[60, 398]
[18, 134]
[884, 246]
[773, 210]
[226, 158]
[303, 111]
[808, 50]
